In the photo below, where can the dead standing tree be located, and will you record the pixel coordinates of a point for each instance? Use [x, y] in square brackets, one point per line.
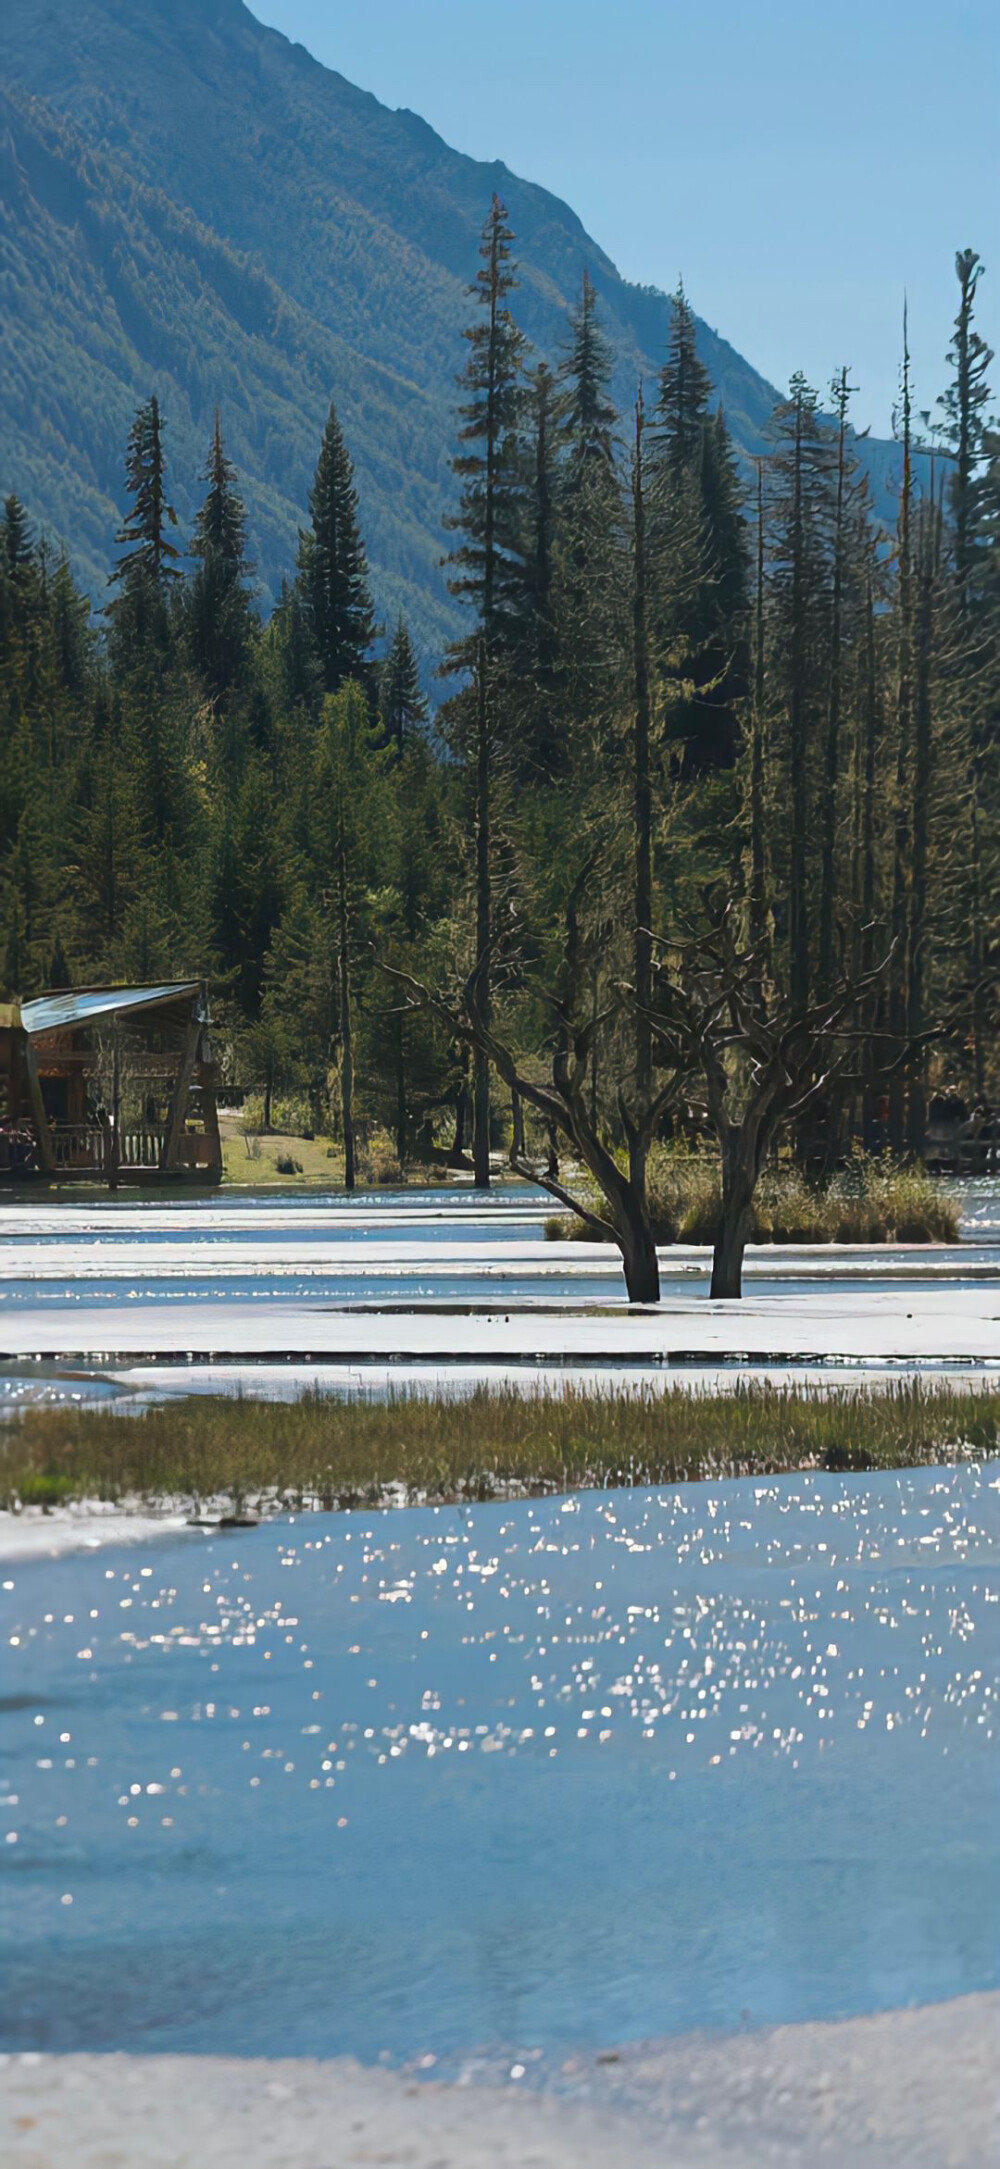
[565, 1102]
[752, 1059]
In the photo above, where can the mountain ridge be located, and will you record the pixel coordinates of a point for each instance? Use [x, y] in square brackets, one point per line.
[235, 221]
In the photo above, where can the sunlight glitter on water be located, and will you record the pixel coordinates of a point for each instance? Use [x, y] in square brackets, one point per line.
[570, 1771]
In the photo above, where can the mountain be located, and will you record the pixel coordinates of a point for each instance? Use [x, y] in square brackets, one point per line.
[191, 204]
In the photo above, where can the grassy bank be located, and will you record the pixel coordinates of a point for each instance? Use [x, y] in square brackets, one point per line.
[871, 1200]
[342, 1453]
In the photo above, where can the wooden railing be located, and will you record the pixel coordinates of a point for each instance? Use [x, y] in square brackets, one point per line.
[140, 1148]
[88, 1148]
[80, 1145]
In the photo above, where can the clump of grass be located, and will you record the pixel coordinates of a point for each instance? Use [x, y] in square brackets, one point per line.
[333, 1453]
[286, 1164]
[872, 1199]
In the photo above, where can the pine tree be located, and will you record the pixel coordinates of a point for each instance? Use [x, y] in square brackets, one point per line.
[590, 604]
[964, 406]
[402, 704]
[684, 394]
[218, 613]
[845, 518]
[588, 416]
[697, 556]
[58, 975]
[489, 561]
[18, 562]
[489, 574]
[333, 571]
[542, 741]
[896, 987]
[148, 555]
[220, 525]
[717, 630]
[802, 465]
[72, 636]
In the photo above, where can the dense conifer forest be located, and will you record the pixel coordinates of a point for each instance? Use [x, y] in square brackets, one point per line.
[694, 702]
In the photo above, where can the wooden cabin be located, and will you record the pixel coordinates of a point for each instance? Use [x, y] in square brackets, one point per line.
[109, 1084]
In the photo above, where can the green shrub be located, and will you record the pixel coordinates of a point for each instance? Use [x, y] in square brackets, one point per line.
[39, 1487]
[378, 1160]
[872, 1199]
[291, 1117]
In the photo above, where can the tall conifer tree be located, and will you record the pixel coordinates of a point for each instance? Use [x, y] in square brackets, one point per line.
[802, 466]
[148, 555]
[333, 570]
[402, 703]
[218, 611]
[590, 601]
[489, 560]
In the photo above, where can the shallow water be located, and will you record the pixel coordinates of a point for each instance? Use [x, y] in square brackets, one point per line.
[507, 1778]
[245, 1275]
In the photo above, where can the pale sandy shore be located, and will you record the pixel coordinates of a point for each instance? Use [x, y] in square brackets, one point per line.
[87, 1525]
[903, 2090]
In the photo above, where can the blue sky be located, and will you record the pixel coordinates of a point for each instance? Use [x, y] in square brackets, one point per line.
[800, 165]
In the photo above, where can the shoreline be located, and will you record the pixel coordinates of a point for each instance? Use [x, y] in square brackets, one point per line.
[906, 2089]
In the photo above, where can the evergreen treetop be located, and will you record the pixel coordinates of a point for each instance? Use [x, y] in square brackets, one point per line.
[220, 524]
[964, 406]
[488, 561]
[685, 392]
[147, 552]
[585, 372]
[333, 570]
[402, 704]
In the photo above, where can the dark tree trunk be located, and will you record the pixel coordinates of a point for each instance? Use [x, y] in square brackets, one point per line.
[638, 1249]
[758, 862]
[402, 1125]
[901, 834]
[642, 783]
[516, 1127]
[871, 721]
[798, 903]
[742, 1154]
[456, 1157]
[481, 1065]
[831, 765]
[920, 826]
[977, 944]
[346, 1035]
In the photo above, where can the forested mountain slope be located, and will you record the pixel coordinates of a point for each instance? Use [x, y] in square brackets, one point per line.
[193, 205]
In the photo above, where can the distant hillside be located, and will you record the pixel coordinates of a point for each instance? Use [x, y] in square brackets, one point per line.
[193, 205]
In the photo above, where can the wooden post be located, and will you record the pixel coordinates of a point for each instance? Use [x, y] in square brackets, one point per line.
[178, 1106]
[114, 1138]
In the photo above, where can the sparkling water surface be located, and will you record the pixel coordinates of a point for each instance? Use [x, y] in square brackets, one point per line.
[508, 1778]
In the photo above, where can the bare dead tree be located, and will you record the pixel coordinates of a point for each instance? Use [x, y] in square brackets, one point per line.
[751, 1059]
[564, 1100]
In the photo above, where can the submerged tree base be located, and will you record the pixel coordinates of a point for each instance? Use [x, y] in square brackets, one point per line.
[325, 1453]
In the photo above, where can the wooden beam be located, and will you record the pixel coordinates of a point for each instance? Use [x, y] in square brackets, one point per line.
[182, 1091]
[212, 1130]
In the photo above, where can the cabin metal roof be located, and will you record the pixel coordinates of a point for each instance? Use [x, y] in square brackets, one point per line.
[57, 1012]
